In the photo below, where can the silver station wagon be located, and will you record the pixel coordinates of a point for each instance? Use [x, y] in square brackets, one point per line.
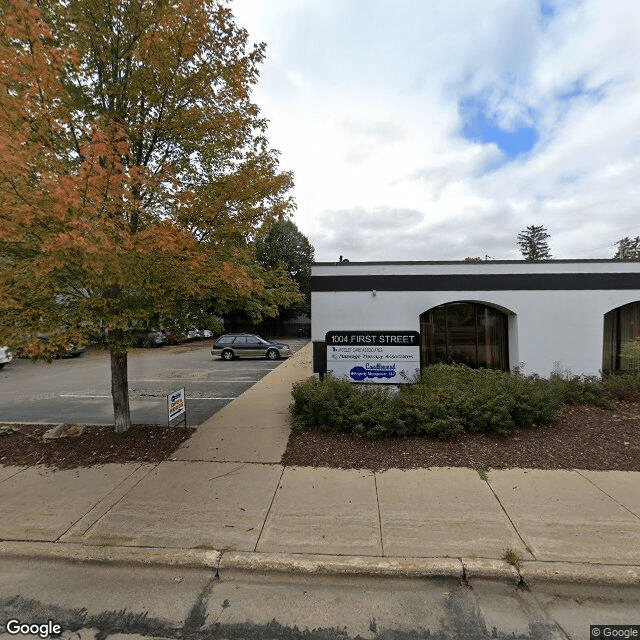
[234, 345]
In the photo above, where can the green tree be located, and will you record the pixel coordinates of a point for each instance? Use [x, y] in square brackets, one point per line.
[284, 246]
[134, 172]
[533, 243]
[628, 249]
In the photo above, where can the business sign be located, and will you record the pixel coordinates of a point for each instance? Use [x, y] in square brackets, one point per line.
[382, 357]
[177, 405]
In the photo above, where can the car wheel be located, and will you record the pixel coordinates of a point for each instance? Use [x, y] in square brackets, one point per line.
[227, 354]
[2, 364]
[272, 354]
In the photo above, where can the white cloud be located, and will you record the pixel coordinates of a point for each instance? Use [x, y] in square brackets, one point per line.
[362, 98]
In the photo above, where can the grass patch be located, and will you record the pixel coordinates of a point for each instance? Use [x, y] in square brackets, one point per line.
[512, 557]
[481, 469]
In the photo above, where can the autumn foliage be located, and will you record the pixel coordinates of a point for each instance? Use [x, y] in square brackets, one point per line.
[134, 172]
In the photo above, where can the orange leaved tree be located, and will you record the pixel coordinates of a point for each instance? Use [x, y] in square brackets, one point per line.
[134, 173]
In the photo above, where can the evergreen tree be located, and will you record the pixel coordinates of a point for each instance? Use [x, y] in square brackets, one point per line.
[533, 243]
[628, 249]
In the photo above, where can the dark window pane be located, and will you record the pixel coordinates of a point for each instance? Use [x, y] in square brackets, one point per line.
[461, 333]
[465, 332]
[432, 326]
[492, 338]
[609, 346]
[621, 325]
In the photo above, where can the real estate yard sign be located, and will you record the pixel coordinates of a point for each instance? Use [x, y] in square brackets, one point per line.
[176, 406]
[381, 357]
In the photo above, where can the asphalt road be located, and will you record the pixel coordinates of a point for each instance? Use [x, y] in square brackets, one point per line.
[100, 602]
[79, 389]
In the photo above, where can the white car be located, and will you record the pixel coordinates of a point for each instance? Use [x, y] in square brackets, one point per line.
[5, 356]
[194, 334]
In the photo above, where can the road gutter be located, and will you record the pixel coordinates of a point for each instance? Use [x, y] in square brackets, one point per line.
[530, 571]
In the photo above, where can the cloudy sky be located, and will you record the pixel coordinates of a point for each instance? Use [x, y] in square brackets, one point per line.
[437, 130]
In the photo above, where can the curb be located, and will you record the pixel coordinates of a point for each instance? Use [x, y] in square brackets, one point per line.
[341, 565]
[74, 552]
[580, 573]
[527, 573]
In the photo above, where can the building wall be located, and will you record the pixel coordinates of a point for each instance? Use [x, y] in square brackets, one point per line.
[547, 328]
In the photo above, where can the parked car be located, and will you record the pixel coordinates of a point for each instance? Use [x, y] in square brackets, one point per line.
[151, 338]
[5, 356]
[233, 345]
[68, 350]
[173, 337]
[194, 334]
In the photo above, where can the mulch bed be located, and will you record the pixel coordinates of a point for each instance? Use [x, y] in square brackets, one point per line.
[96, 445]
[582, 437]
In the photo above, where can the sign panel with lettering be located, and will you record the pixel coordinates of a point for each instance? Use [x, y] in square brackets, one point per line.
[176, 405]
[381, 357]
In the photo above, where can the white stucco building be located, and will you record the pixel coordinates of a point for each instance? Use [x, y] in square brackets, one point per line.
[571, 315]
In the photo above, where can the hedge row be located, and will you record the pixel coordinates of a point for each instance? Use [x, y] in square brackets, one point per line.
[448, 399]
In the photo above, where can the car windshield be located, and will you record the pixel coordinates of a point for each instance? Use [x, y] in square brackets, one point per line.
[261, 340]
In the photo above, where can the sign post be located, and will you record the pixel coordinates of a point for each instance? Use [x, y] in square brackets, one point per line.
[176, 406]
[380, 357]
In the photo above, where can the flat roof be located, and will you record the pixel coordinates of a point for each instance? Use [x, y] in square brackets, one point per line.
[384, 262]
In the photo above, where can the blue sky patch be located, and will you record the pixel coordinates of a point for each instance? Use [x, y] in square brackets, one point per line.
[568, 178]
[481, 126]
[577, 90]
[546, 11]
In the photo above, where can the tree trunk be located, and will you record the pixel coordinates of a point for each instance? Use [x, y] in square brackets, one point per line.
[120, 389]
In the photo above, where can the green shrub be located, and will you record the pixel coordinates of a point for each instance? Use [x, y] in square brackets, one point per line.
[492, 401]
[447, 400]
[630, 355]
[595, 391]
[581, 390]
[535, 401]
[319, 402]
[428, 412]
[342, 407]
[620, 387]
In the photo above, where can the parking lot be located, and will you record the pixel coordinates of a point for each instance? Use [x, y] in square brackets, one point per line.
[78, 390]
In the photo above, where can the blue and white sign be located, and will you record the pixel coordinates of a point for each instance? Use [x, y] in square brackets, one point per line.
[380, 357]
[176, 406]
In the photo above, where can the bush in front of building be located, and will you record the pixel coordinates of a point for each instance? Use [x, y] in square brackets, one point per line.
[582, 390]
[482, 400]
[622, 387]
[447, 400]
[630, 355]
[342, 407]
[592, 390]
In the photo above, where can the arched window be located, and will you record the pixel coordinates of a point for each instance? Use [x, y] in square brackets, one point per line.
[465, 332]
[621, 325]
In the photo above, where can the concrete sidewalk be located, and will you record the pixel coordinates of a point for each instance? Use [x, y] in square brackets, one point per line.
[225, 500]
